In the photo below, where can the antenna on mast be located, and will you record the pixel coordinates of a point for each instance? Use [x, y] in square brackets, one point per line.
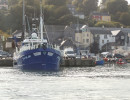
[41, 22]
[23, 32]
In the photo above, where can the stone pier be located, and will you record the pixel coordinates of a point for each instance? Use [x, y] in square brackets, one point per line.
[6, 62]
[78, 63]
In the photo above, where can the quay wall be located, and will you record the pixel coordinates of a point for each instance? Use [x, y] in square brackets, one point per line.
[77, 63]
[6, 62]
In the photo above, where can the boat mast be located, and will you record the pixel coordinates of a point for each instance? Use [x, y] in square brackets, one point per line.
[41, 22]
[23, 33]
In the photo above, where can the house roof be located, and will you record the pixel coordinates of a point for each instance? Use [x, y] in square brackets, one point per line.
[114, 33]
[97, 31]
[100, 14]
[17, 33]
[68, 42]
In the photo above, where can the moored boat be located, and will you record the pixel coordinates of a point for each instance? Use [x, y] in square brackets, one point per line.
[100, 62]
[36, 53]
[121, 61]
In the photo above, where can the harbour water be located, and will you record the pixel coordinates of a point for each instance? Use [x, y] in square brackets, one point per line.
[108, 82]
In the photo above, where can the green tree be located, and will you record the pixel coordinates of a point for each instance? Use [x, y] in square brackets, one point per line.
[66, 19]
[129, 8]
[61, 11]
[104, 1]
[94, 48]
[77, 2]
[16, 10]
[125, 18]
[54, 2]
[4, 20]
[86, 6]
[89, 6]
[105, 24]
[55, 14]
[16, 17]
[91, 22]
[115, 6]
[108, 24]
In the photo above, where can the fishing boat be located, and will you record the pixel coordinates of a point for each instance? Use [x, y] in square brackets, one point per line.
[36, 53]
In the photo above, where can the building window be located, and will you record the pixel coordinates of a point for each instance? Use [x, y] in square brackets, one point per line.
[102, 41]
[83, 40]
[107, 41]
[105, 36]
[87, 40]
[122, 37]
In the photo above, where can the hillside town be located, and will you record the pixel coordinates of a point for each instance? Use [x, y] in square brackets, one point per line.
[84, 38]
[80, 37]
[64, 49]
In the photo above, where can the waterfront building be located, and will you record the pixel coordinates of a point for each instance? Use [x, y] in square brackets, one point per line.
[84, 37]
[103, 36]
[121, 39]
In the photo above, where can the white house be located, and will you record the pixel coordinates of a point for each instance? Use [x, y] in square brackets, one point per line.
[104, 39]
[102, 36]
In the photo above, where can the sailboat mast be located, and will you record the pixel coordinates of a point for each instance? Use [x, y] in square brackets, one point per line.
[23, 33]
[41, 22]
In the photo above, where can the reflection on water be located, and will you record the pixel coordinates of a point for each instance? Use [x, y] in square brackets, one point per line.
[108, 82]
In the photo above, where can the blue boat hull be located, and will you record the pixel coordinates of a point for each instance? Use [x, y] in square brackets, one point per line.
[39, 59]
[100, 62]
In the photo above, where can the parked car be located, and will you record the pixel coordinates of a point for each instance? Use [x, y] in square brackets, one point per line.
[118, 56]
[69, 53]
[109, 56]
[4, 54]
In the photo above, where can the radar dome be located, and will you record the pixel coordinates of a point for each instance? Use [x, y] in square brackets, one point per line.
[34, 35]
